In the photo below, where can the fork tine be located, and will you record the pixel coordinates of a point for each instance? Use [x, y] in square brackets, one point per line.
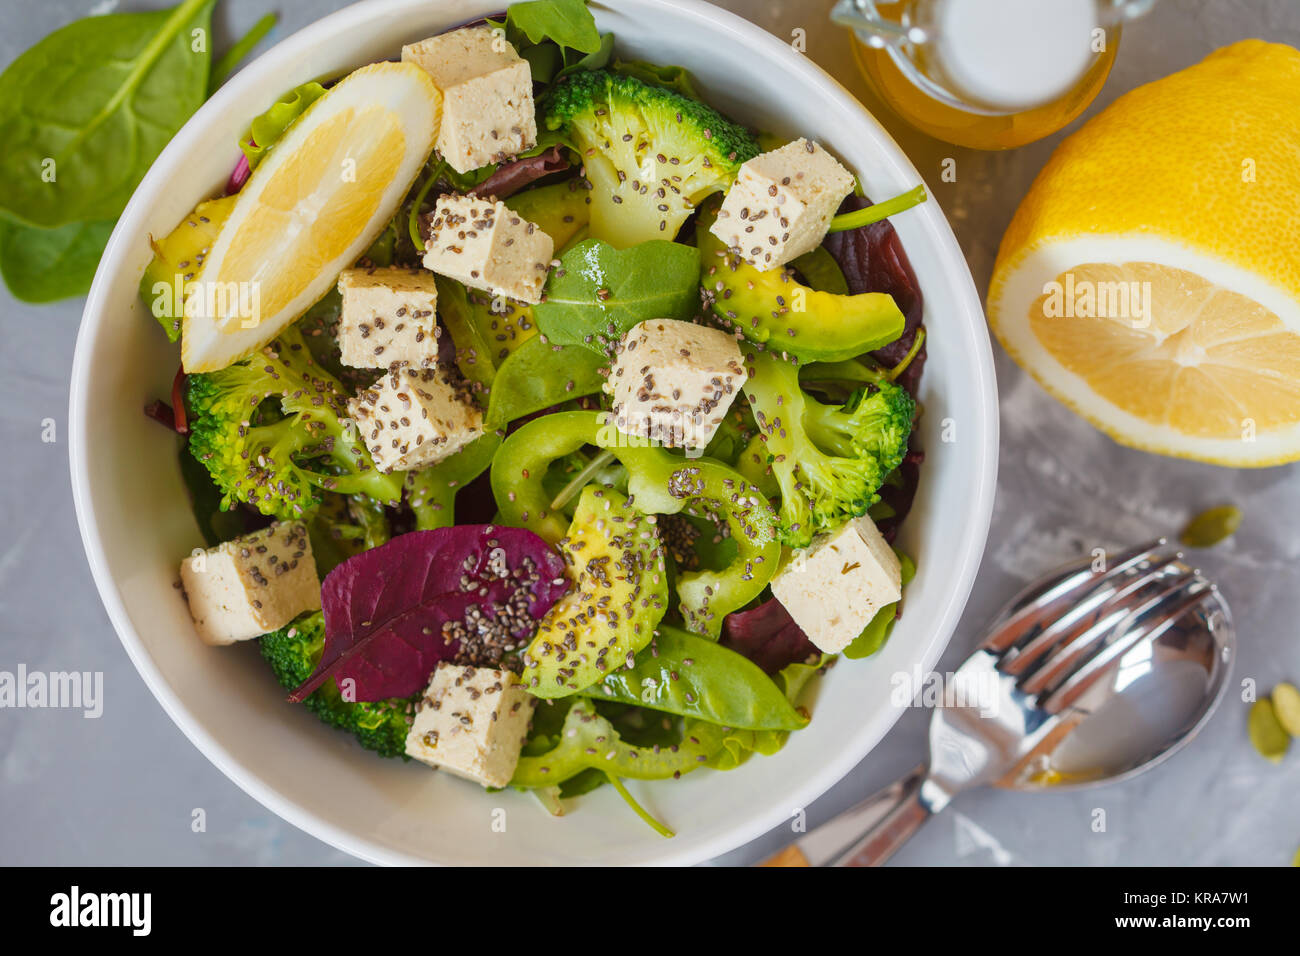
[1062, 595]
[1077, 683]
[1026, 657]
[1129, 607]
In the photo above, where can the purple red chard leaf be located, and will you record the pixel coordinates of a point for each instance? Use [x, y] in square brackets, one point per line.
[873, 260]
[464, 593]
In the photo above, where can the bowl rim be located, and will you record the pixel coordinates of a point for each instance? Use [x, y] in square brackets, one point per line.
[981, 486]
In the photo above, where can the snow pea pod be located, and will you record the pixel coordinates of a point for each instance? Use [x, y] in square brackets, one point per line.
[538, 375]
[685, 674]
[659, 482]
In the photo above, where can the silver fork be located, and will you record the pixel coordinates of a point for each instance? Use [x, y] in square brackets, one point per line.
[1044, 662]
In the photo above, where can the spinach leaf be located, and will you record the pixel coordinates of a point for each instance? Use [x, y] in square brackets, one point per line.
[84, 112]
[739, 745]
[692, 676]
[598, 292]
[267, 129]
[222, 69]
[568, 23]
[41, 265]
[538, 375]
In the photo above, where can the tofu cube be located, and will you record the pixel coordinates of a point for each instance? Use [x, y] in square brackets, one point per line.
[485, 245]
[472, 722]
[388, 316]
[673, 382]
[487, 96]
[781, 204]
[253, 585]
[414, 417]
[834, 587]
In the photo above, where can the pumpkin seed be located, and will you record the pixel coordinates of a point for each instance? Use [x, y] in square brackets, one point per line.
[1212, 526]
[1266, 733]
[1286, 704]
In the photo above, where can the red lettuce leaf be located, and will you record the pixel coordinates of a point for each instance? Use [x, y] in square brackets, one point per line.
[900, 496]
[240, 174]
[385, 608]
[767, 635]
[872, 260]
[514, 176]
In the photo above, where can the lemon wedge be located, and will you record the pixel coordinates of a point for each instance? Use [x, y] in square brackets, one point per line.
[1151, 277]
[310, 209]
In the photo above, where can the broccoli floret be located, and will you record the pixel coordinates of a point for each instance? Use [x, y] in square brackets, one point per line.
[293, 651]
[825, 461]
[873, 421]
[271, 431]
[652, 154]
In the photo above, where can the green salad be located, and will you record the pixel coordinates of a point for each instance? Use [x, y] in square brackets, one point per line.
[544, 425]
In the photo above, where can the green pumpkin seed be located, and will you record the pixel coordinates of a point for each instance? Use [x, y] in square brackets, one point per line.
[1210, 527]
[1286, 704]
[1266, 733]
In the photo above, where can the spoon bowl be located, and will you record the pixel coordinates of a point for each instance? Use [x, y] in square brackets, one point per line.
[1091, 675]
[1150, 705]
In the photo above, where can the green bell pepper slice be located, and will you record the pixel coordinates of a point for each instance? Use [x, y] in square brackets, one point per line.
[659, 482]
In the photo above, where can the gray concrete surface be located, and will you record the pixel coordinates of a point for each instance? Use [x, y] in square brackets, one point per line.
[121, 789]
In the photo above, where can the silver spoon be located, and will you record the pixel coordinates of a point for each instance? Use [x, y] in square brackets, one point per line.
[1091, 675]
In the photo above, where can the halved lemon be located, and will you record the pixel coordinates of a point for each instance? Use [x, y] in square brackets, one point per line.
[1151, 277]
[310, 209]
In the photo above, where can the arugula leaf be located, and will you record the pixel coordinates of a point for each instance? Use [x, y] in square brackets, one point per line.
[84, 112]
[596, 60]
[566, 22]
[544, 60]
[41, 265]
[556, 37]
[598, 292]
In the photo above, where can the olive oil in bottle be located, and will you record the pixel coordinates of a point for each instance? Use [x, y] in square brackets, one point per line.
[989, 74]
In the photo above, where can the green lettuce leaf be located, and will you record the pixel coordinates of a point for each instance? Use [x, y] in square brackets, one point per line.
[267, 129]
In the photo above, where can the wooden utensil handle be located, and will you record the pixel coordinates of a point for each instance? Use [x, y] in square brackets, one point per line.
[790, 856]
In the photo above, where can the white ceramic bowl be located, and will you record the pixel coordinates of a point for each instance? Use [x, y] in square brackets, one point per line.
[137, 525]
